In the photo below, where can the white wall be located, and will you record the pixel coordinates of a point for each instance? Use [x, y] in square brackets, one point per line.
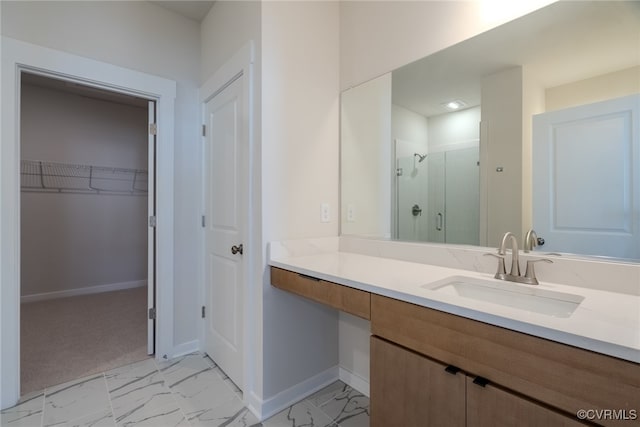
[410, 127]
[228, 26]
[599, 88]
[151, 39]
[71, 241]
[533, 100]
[366, 147]
[502, 106]
[354, 351]
[379, 36]
[300, 115]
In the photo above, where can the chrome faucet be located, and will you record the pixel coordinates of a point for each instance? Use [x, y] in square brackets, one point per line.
[529, 277]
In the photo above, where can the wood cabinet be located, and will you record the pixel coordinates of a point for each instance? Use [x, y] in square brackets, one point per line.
[408, 389]
[343, 298]
[554, 375]
[491, 406]
[531, 381]
[411, 390]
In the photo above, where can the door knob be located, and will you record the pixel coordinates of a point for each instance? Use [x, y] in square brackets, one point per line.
[236, 249]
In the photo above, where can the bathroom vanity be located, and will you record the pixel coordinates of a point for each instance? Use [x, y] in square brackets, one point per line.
[444, 359]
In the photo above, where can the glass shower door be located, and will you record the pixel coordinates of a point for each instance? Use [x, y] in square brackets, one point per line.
[411, 199]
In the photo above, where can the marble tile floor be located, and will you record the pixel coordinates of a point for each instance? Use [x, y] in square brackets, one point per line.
[187, 391]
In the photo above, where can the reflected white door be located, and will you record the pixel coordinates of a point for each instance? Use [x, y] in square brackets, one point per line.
[151, 232]
[226, 155]
[586, 179]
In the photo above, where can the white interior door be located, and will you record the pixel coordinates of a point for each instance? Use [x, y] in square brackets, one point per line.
[586, 180]
[226, 159]
[151, 235]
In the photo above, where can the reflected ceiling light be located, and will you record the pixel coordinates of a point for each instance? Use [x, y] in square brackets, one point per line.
[456, 104]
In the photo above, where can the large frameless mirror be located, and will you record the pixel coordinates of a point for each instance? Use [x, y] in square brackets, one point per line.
[533, 124]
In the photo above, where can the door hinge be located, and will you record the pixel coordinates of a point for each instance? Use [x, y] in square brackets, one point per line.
[204, 222]
[203, 311]
[152, 313]
[152, 221]
[204, 130]
[153, 129]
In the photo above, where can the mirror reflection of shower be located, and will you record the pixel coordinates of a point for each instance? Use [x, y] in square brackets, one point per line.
[408, 209]
[437, 179]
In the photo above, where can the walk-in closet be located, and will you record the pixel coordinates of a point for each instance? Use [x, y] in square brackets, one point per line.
[84, 242]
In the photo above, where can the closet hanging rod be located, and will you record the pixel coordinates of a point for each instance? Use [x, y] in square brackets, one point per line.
[52, 177]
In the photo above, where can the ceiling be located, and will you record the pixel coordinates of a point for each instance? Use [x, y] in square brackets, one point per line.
[195, 10]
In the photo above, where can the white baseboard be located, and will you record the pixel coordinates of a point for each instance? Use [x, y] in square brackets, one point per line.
[186, 348]
[355, 381]
[83, 291]
[264, 409]
[271, 406]
[253, 404]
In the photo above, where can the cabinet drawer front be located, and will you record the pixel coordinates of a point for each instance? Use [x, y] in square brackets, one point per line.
[343, 298]
[559, 375]
[305, 286]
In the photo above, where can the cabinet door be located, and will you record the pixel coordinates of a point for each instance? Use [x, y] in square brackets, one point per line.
[408, 389]
[490, 406]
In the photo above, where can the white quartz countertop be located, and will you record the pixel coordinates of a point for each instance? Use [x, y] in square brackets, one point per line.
[604, 322]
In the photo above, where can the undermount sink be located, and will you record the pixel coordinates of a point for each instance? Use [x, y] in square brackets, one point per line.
[508, 294]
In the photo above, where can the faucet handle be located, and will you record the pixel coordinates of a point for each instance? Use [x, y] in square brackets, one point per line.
[502, 271]
[530, 273]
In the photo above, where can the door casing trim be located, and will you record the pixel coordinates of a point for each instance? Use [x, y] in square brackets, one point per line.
[242, 63]
[19, 56]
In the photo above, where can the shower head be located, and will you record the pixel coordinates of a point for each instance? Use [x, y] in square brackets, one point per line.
[420, 157]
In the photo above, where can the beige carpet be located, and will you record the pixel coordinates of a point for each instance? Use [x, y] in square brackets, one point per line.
[69, 338]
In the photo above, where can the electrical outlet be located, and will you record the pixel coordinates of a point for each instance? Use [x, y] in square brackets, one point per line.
[325, 214]
[351, 213]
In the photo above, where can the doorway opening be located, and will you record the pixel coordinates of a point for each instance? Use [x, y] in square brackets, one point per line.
[87, 241]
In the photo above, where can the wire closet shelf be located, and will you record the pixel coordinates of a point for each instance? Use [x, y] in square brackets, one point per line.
[50, 177]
